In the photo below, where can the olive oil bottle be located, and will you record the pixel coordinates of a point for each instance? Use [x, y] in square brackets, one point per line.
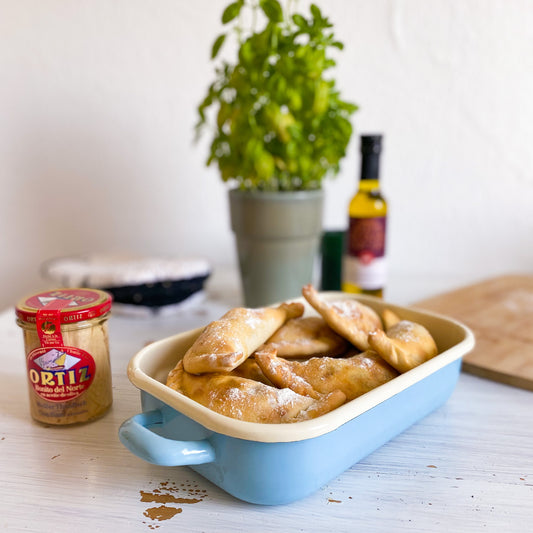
[364, 261]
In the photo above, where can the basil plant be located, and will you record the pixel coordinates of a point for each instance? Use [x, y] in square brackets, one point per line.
[278, 123]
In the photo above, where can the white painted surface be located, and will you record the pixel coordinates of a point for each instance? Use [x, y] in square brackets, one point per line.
[466, 467]
[97, 107]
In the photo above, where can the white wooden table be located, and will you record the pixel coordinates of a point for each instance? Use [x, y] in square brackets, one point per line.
[466, 467]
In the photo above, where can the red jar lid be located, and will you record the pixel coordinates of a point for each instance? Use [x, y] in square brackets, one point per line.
[74, 304]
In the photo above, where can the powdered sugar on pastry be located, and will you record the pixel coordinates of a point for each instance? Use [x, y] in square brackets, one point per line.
[405, 345]
[353, 375]
[235, 369]
[249, 400]
[349, 318]
[307, 337]
[226, 343]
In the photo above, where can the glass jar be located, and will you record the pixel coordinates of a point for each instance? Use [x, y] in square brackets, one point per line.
[67, 354]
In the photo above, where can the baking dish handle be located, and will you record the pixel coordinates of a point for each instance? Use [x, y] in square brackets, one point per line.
[136, 435]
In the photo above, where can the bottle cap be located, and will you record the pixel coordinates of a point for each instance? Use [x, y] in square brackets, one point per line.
[371, 144]
[72, 304]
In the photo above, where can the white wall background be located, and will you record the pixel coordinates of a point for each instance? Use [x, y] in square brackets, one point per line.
[97, 107]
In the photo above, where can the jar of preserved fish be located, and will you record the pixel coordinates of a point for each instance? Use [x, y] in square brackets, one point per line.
[67, 354]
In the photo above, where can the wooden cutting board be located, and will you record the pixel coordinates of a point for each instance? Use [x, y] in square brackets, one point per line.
[500, 313]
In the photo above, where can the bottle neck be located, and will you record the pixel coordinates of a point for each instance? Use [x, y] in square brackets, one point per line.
[367, 185]
[370, 167]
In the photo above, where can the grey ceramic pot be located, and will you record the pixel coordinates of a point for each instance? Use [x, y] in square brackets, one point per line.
[278, 237]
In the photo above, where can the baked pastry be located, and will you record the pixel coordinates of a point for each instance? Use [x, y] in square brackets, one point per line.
[249, 400]
[306, 337]
[245, 365]
[349, 318]
[225, 343]
[389, 318]
[353, 375]
[249, 369]
[405, 345]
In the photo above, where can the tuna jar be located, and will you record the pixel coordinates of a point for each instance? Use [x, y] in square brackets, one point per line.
[67, 354]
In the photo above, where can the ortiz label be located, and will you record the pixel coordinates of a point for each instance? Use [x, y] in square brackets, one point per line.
[364, 264]
[60, 373]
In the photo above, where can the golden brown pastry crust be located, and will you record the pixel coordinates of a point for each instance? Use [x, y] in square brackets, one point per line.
[249, 400]
[249, 369]
[226, 343]
[235, 368]
[307, 337]
[389, 318]
[405, 345]
[349, 318]
[354, 375]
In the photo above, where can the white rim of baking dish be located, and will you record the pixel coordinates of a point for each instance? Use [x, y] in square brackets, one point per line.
[321, 425]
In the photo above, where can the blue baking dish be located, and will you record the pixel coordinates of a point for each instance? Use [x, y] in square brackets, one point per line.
[273, 464]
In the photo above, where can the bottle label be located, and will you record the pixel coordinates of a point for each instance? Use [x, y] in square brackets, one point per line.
[364, 263]
[48, 323]
[60, 373]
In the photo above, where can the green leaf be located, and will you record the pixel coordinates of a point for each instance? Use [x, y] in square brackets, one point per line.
[264, 164]
[272, 9]
[278, 122]
[299, 21]
[231, 12]
[219, 41]
[315, 11]
[321, 99]
[295, 99]
[246, 53]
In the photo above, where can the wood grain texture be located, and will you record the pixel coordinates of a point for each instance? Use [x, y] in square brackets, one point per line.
[500, 313]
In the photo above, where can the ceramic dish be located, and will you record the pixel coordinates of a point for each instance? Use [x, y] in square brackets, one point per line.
[140, 286]
[279, 463]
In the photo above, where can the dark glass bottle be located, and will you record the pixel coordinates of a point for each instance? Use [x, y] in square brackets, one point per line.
[364, 262]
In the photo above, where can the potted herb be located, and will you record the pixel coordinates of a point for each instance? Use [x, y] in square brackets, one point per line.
[280, 128]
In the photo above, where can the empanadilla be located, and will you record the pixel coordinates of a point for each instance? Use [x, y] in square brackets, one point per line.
[389, 318]
[405, 345]
[249, 400]
[349, 318]
[225, 343]
[250, 369]
[354, 375]
[307, 337]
